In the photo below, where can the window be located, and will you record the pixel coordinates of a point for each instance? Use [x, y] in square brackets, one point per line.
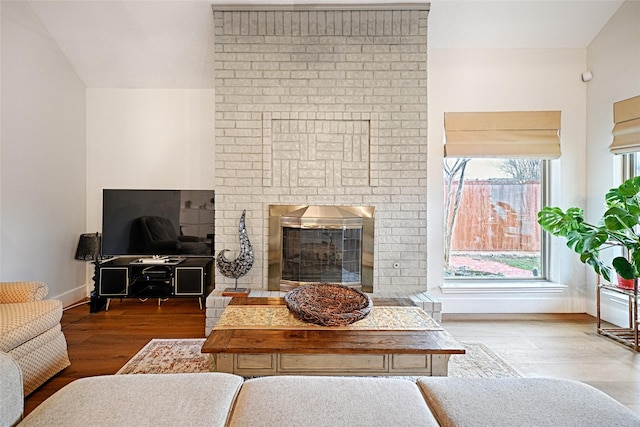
[495, 177]
[631, 166]
[491, 228]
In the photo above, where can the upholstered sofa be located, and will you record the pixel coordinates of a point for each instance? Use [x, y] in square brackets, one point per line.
[220, 399]
[30, 331]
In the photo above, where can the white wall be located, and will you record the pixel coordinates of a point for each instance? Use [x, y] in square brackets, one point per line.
[614, 59]
[148, 139]
[62, 144]
[507, 80]
[42, 194]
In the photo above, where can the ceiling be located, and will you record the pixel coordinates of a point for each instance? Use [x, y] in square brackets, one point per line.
[169, 43]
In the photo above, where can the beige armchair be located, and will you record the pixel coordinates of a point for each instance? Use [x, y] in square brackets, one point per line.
[30, 331]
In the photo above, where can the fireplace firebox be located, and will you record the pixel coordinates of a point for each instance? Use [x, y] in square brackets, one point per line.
[320, 244]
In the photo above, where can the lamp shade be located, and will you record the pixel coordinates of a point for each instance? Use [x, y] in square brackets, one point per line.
[88, 247]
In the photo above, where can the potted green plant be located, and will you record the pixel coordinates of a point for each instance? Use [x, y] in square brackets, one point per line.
[618, 227]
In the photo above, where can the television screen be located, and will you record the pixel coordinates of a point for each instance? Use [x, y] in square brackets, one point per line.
[158, 222]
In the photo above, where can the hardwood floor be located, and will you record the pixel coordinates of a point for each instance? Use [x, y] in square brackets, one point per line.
[556, 346]
[549, 345]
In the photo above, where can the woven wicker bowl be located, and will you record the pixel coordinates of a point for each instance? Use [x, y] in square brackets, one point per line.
[327, 304]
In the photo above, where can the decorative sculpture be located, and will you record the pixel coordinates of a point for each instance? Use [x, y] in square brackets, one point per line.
[242, 264]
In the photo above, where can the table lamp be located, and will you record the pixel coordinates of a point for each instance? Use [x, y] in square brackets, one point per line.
[89, 250]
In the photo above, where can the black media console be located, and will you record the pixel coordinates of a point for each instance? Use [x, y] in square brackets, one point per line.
[148, 277]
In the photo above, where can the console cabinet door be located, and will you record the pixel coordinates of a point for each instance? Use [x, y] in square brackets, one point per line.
[113, 281]
[189, 281]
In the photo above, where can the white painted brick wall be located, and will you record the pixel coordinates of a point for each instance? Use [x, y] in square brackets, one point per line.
[324, 107]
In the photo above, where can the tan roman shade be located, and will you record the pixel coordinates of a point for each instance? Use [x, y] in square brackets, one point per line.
[626, 131]
[509, 134]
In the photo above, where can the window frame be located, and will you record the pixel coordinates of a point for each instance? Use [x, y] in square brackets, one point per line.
[629, 164]
[545, 245]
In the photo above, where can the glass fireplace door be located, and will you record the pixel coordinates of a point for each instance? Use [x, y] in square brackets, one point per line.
[326, 255]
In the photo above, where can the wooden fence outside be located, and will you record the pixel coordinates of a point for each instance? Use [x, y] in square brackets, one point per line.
[498, 215]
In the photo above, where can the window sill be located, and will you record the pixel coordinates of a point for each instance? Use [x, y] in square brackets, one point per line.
[472, 287]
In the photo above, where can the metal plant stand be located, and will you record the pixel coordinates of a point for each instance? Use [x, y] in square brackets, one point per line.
[627, 336]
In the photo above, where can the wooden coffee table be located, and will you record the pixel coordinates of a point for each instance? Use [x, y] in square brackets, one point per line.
[327, 351]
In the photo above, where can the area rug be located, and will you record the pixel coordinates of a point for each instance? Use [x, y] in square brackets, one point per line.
[166, 356]
[480, 361]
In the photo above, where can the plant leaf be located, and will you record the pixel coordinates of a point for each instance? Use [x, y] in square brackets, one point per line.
[625, 196]
[623, 267]
[591, 258]
[617, 218]
[557, 222]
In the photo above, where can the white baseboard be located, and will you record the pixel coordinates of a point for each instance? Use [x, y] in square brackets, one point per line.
[72, 296]
[614, 308]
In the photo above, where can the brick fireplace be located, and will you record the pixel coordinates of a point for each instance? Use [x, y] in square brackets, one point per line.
[324, 106]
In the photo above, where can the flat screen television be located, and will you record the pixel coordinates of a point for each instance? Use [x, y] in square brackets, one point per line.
[158, 222]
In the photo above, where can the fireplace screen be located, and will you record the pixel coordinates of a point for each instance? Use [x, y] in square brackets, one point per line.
[320, 244]
[327, 255]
